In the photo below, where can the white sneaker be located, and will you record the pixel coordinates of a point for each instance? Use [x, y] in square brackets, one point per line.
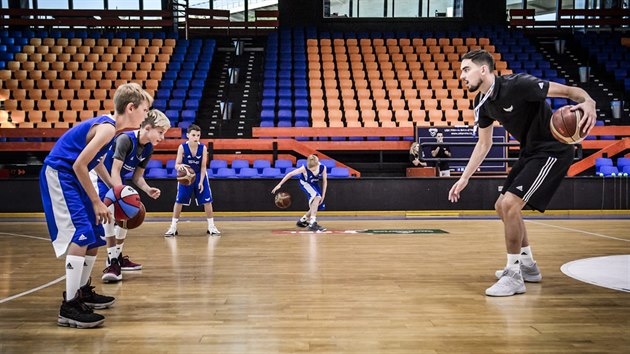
[531, 274]
[213, 231]
[510, 283]
[172, 231]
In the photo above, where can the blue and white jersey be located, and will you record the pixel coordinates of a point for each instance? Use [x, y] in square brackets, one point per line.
[194, 161]
[310, 177]
[132, 160]
[70, 145]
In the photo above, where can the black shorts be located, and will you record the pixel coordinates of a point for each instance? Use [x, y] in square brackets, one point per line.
[535, 178]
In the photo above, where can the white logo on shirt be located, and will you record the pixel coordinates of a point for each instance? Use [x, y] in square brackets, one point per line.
[520, 188]
[509, 109]
[82, 238]
[541, 85]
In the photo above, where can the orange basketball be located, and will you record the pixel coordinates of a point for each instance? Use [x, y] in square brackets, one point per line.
[565, 125]
[186, 176]
[283, 200]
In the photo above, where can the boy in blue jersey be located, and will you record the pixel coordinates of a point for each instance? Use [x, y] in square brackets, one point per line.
[74, 212]
[194, 154]
[130, 153]
[309, 182]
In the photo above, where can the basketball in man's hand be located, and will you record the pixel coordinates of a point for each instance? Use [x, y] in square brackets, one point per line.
[565, 125]
[186, 176]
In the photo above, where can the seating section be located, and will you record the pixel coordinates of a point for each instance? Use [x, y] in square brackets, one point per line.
[56, 79]
[182, 84]
[285, 95]
[244, 169]
[611, 52]
[605, 167]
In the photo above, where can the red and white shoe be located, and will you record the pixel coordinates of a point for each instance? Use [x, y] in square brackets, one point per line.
[112, 273]
[127, 265]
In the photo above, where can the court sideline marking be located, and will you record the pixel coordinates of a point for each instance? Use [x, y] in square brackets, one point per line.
[577, 230]
[12, 297]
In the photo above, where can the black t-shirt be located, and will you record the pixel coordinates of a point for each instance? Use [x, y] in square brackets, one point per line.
[420, 157]
[441, 154]
[518, 102]
[123, 147]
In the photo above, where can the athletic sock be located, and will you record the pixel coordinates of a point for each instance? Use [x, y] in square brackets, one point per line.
[74, 269]
[88, 264]
[527, 257]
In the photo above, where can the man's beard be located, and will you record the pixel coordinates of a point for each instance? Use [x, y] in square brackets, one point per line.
[474, 88]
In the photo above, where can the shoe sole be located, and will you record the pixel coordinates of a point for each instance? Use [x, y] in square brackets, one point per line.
[130, 269]
[67, 322]
[170, 235]
[111, 278]
[100, 306]
[527, 278]
[505, 295]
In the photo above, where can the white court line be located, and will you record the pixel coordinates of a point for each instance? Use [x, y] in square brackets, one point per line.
[26, 236]
[34, 289]
[576, 230]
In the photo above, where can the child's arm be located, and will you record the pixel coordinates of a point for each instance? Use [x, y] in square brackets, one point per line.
[324, 185]
[138, 180]
[179, 158]
[101, 135]
[286, 177]
[204, 162]
[102, 173]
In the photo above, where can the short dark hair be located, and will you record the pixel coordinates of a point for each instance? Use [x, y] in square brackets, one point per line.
[480, 57]
[193, 127]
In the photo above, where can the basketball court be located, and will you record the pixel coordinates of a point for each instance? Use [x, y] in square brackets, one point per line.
[264, 288]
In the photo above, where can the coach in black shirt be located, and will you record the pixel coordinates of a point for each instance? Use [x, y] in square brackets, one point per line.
[518, 102]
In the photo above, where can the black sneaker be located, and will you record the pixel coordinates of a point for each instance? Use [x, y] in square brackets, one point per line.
[94, 300]
[301, 223]
[75, 313]
[316, 228]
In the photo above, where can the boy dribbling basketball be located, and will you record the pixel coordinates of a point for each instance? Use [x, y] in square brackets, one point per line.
[74, 212]
[131, 152]
[309, 182]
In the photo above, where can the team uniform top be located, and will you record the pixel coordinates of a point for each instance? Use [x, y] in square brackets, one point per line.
[310, 177]
[70, 145]
[518, 102]
[127, 148]
[194, 161]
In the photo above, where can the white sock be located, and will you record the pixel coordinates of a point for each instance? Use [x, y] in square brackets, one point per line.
[513, 262]
[112, 252]
[526, 256]
[74, 269]
[174, 222]
[119, 248]
[313, 220]
[87, 269]
[210, 223]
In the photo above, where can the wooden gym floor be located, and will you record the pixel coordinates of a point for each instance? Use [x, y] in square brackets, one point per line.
[256, 291]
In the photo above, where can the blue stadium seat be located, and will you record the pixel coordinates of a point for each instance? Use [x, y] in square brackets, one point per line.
[283, 164]
[328, 163]
[189, 115]
[271, 172]
[225, 172]
[602, 161]
[237, 165]
[339, 172]
[156, 173]
[608, 171]
[260, 165]
[215, 165]
[154, 164]
[622, 162]
[170, 164]
[300, 163]
[248, 172]
[285, 114]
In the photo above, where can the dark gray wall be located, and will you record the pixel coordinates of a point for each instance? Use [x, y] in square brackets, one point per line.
[22, 195]
[306, 13]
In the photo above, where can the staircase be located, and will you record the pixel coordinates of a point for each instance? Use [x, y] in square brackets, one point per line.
[240, 90]
[600, 87]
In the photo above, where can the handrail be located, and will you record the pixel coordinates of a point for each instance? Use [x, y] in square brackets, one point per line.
[259, 132]
[89, 18]
[571, 17]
